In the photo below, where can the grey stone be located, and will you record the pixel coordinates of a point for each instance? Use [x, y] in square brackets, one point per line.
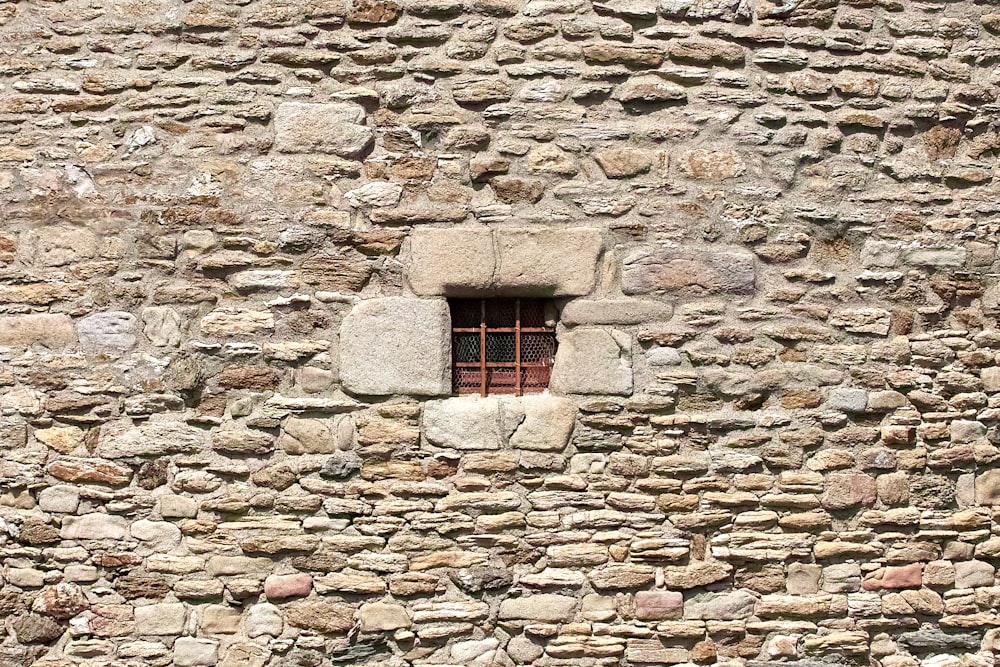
[341, 465]
[473, 261]
[51, 331]
[688, 272]
[111, 333]
[334, 127]
[162, 326]
[263, 620]
[94, 526]
[60, 499]
[965, 430]
[464, 423]
[151, 438]
[663, 356]
[547, 424]
[160, 536]
[615, 311]
[974, 574]
[592, 361]
[458, 261]
[523, 651]
[728, 606]
[161, 619]
[546, 608]
[848, 400]
[547, 262]
[195, 652]
[396, 345]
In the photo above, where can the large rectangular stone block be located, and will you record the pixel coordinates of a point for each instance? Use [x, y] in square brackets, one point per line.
[547, 262]
[476, 261]
[593, 361]
[396, 345]
[335, 127]
[697, 272]
[455, 262]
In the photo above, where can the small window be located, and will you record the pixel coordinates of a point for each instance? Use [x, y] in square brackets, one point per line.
[502, 346]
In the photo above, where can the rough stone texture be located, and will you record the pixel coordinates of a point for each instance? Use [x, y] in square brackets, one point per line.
[592, 361]
[473, 261]
[396, 345]
[52, 331]
[336, 128]
[688, 272]
[771, 230]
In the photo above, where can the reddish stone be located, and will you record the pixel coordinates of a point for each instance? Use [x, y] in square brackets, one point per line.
[63, 601]
[284, 586]
[849, 489]
[658, 605]
[249, 377]
[906, 576]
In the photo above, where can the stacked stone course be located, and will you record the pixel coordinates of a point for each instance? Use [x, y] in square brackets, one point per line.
[227, 435]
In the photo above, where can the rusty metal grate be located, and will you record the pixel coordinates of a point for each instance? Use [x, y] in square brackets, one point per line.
[501, 346]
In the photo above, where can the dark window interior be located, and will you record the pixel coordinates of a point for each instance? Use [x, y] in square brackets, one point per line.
[519, 339]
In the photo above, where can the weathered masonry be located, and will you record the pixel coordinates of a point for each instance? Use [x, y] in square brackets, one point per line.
[596, 333]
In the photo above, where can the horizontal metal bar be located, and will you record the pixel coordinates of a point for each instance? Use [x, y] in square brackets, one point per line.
[490, 330]
[501, 364]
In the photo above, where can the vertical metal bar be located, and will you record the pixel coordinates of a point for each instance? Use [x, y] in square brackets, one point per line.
[517, 347]
[482, 347]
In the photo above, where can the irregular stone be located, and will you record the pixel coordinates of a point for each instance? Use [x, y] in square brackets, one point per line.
[51, 331]
[161, 619]
[316, 436]
[988, 488]
[162, 326]
[320, 615]
[263, 620]
[195, 652]
[728, 606]
[592, 361]
[547, 424]
[383, 617]
[658, 605]
[623, 162]
[546, 608]
[711, 165]
[151, 438]
[849, 489]
[396, 345]
[35, 629]
[94, 526]
[333, 127]
[63, 601]
[659, 270]
[111, 333]
[284, 586]
[464, 423]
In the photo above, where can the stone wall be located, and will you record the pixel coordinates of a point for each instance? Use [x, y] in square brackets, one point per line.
[229, 231]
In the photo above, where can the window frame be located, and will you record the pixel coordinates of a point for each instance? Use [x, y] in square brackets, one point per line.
[518, 365]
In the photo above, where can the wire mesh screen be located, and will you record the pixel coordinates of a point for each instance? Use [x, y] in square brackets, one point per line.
[502, 346]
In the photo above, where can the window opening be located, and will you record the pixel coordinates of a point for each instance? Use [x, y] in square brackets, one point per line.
[501, 346]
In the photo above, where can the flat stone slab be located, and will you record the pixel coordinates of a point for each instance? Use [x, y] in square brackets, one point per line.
[615, 311]
[52, 331]
[477, 261]
[592, 361]
[334, 127]
[464, 423]
[695, 272]
[396, 345]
